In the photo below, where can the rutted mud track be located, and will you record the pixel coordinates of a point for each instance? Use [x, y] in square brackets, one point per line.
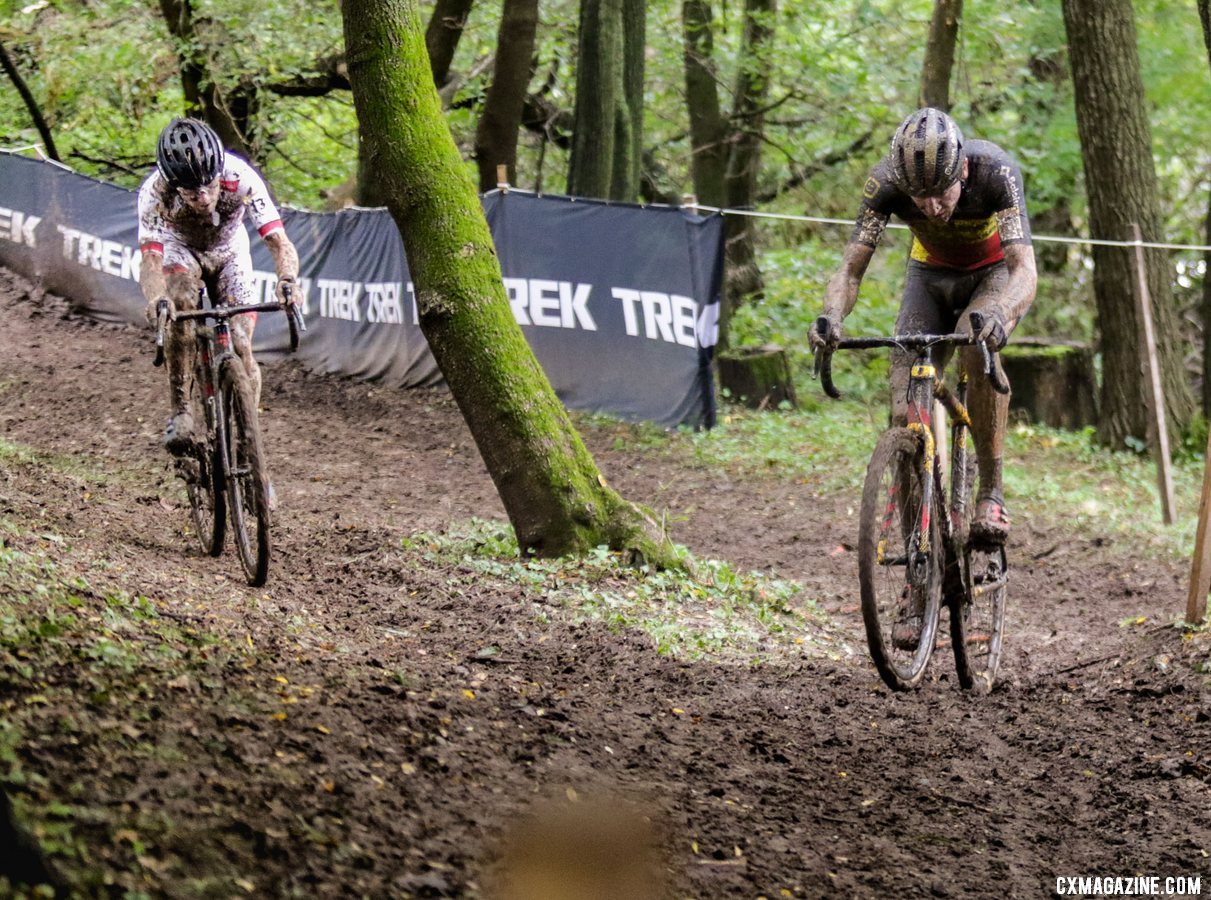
[806, 777]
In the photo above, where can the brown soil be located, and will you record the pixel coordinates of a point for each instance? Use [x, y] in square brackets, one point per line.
[408, 753]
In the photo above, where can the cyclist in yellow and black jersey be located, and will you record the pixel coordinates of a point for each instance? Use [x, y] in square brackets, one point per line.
[965, 204]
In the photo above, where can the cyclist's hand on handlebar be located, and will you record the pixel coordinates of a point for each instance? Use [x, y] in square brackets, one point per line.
[151, 311]
[992, 334]
[826, 332]
[287, 291]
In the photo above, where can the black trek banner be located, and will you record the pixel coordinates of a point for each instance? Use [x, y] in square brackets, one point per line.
[619, 302]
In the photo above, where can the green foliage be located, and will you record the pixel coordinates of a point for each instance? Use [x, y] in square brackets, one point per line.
[718, 611]
[106, 75]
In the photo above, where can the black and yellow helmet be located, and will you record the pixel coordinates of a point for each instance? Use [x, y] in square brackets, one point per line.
[189, 154]
[926, 153]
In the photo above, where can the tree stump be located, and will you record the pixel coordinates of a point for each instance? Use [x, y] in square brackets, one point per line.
[1053, 382]
[757, 377]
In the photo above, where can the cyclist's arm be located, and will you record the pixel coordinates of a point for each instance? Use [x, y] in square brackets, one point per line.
[1023, 282]
[151, 279]
[285, 256]
[842, 292]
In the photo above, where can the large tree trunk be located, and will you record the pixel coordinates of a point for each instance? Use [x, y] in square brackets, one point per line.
[940, 54]
[551, 488]
[496, 133]
[742, 279]
[1116, 147]
[708, 127]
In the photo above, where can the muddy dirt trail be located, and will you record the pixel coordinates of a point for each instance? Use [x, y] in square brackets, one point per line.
[798, 777]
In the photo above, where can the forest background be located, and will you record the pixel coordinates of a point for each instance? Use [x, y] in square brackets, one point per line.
[835, 78]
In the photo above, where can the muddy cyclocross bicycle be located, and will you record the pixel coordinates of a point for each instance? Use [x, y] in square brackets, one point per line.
[915, 551]
[224, 468]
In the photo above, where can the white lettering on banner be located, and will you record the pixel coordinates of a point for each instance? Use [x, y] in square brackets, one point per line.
[18, 227]
[338, 299]
[550, 304]
[666, 317]
[105, 256]
[384, 303]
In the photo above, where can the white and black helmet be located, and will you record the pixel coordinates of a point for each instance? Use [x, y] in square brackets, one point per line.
[927, 153]
[189, 154]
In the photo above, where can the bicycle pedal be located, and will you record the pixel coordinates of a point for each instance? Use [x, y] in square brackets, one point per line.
[188, 469]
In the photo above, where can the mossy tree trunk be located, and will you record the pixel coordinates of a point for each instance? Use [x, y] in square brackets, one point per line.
[496, 133]
[1120, 179]
[551, 488]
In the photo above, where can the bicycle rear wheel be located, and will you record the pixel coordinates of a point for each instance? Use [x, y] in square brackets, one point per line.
[976, 626]
[248, 480]
[899, 582]
[202, 472]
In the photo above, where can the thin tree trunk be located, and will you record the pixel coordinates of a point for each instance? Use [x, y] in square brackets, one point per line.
[1116, 147]
[496, 133]
[940, 54]
[598, 82]
[443, 34]
[629, 151]
[551, 488]
[743, 281]
[31, 105]
[231, 121]
[708, 127]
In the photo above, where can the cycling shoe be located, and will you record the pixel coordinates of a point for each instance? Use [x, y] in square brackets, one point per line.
[178, 435]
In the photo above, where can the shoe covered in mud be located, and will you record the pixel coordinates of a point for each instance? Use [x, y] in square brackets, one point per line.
[991, 522]
[179, 434]
[906, 632]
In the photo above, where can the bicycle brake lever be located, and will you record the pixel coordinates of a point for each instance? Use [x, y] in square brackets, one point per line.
[161, 321]
[823, 366]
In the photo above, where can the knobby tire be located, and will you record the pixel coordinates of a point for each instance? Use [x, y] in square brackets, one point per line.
[977, 625]
[891, 511]
[248, 484]
[204, 486]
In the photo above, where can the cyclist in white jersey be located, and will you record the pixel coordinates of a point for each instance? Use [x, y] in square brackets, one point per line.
[191, 232]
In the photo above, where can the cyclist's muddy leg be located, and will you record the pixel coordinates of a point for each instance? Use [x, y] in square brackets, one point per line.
[235, 283]
[241, 338]
[179, 343]
[989, 410]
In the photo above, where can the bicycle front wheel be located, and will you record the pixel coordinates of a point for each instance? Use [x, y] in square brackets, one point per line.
[247, 477]
[900, 576]
[976, 627]
[204, 475]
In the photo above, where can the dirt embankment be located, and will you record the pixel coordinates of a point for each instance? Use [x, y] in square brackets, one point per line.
[363, 743]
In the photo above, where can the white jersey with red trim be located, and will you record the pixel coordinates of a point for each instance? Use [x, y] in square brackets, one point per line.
[164, 219]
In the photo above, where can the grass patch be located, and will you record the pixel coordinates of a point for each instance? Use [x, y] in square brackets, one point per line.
[717, 612]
